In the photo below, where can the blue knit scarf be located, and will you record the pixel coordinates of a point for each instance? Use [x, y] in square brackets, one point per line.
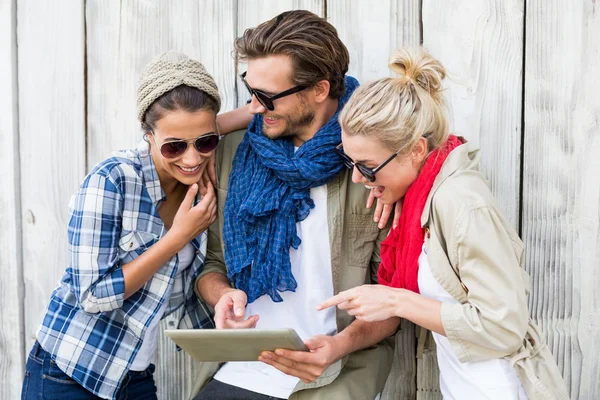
[269, 192]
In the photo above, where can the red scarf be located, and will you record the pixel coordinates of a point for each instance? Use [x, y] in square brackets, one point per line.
[401, 249]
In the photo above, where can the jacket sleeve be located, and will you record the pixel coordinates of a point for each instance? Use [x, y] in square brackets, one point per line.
[215, 260]
[493, 321]
[376, 256]
[94, 231]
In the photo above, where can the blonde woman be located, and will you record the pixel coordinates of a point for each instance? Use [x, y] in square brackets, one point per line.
[454, 264]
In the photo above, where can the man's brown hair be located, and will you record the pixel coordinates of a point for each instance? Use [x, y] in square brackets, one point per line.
[312, 43]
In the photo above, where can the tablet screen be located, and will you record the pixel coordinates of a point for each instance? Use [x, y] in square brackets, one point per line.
[234, 344]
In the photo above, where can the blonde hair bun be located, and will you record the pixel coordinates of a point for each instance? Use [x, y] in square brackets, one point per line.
[418, 66]
[398, 112]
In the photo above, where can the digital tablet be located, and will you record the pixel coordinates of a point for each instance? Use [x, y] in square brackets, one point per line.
[234, 344]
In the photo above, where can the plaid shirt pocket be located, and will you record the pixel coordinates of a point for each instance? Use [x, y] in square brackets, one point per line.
[136, 241]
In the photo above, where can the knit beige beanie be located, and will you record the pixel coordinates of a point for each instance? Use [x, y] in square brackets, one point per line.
[166, 72]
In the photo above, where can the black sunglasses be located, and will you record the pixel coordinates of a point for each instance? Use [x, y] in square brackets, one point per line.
[203, 144]
[367, 172]
[267, 101]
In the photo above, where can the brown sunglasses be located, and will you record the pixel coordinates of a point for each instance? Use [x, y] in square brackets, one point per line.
[203, 144]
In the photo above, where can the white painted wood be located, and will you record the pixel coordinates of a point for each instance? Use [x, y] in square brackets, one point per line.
[122, 38]
[12, 348]
[481, 45]
[52, 141]
[561, 184]
[371, 31]
[251, 13]
[43, 140]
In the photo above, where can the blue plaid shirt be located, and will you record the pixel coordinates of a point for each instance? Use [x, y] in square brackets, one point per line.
[89, 328]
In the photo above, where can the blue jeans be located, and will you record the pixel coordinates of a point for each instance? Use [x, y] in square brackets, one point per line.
[44, 380]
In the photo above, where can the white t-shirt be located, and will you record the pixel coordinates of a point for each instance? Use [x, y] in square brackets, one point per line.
[491, 379]
[311, 267]
[144, 356]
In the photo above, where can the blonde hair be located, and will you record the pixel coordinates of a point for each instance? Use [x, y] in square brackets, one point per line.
[398, 111]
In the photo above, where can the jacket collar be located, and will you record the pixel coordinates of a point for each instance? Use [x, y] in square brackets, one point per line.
[460, 158]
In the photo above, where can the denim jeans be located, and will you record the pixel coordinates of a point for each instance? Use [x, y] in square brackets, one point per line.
[44, 380]
[216, 390]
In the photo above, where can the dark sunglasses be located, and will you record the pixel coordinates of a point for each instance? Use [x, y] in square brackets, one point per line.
[267, 101]
[203, 144]
[367, 172]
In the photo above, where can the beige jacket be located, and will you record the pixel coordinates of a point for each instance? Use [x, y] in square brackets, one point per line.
[477, 257]
[354, 241]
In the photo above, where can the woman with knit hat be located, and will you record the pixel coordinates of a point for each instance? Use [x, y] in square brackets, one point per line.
[137, 243]
[454, 264]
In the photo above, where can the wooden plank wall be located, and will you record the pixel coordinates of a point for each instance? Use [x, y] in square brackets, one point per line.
[12, 348]
[68, 88]
[481, 46]
[480, 43]
[561, 183]
[51, 139]
[122, 37]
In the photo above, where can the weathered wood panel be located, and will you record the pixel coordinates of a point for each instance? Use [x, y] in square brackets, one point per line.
[371, 31]
[12, 352]
[254, 12]
[52, 141]
[251, 13]
[561, 184]
[481, 45]
[479, 42]
[122, 38]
